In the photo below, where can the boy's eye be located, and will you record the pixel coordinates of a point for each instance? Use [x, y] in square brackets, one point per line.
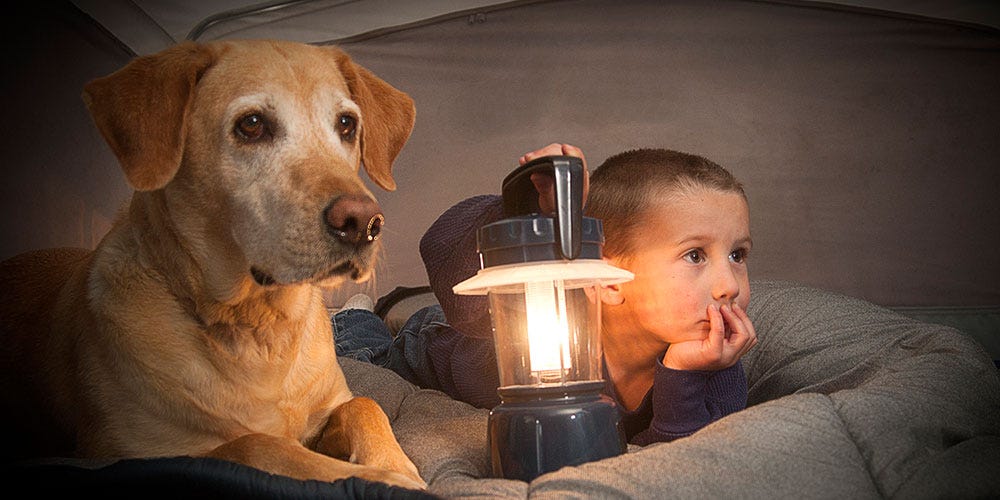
[738, 256]
[694, 257]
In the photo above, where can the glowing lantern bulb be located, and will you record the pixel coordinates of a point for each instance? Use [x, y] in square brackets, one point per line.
[548, 331]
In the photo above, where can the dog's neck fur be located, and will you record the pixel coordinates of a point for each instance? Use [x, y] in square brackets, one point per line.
[224, 299]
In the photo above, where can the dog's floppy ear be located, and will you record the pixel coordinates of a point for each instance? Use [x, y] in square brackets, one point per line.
[141, 111]
[387, 116]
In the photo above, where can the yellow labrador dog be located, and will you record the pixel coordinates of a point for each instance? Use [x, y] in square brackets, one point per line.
[197, 326]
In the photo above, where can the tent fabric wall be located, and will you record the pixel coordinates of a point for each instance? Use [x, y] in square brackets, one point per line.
[147, 26]
[60, 184]
[867, 142]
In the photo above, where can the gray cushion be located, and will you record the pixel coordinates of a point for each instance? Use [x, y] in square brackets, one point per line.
[847, 400]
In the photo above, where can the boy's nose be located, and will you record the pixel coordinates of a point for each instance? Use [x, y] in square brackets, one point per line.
[725, 286]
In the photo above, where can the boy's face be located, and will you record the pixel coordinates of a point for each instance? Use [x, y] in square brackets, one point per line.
[693, 254]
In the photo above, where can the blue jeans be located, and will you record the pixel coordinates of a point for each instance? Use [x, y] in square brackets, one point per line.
[362, 335]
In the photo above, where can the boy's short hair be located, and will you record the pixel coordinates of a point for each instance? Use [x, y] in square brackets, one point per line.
[628, 184]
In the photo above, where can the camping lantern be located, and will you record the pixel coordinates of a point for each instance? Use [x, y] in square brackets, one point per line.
[541, 274]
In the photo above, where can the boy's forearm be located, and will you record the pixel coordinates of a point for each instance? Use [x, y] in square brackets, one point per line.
[686, 401]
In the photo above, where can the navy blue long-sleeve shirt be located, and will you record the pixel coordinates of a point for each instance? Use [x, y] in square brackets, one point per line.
[463, 358]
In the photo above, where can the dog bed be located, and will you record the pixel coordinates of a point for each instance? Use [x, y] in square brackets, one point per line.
[847, 399]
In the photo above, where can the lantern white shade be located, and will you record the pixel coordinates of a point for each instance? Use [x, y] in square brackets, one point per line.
[511, 278]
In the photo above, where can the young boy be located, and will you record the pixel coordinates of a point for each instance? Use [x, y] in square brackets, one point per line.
[672, 338]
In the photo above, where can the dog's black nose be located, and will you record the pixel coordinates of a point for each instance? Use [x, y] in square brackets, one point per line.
[354, 219]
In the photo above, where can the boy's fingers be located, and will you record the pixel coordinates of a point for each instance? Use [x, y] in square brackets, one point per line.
[742, 336]
[552, 149]
[747, 324]
[740, 313]
[543, 182]
[732, 320]
[558, 149]
[717, 327]
[571, 150]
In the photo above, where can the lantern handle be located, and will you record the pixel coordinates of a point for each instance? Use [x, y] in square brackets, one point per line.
[521, 198]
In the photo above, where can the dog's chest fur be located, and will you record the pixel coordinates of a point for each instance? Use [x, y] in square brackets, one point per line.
[263, 363]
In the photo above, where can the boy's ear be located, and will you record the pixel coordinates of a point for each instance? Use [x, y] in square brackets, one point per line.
[612, 295]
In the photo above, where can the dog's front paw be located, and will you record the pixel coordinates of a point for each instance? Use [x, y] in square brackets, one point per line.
[399, 463]
[408, 480]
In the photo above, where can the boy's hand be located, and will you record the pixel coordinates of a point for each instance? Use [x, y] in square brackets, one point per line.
[722, 348]
[544, 183]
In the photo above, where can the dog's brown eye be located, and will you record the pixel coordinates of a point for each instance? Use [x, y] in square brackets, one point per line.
[251, 127]
[347, 127]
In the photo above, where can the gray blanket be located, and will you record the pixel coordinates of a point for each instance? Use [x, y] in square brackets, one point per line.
[847, 400]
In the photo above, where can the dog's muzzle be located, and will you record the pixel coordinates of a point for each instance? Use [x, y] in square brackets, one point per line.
[354, 221]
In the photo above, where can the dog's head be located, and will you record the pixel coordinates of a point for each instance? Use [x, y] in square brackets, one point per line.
[253, 149]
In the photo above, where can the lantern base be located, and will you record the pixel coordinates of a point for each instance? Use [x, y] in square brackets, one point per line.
[540, 429]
